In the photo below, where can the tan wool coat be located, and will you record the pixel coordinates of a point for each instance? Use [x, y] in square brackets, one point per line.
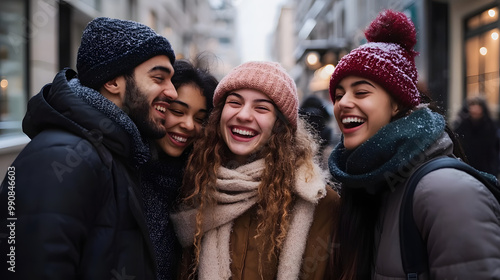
[244, 253]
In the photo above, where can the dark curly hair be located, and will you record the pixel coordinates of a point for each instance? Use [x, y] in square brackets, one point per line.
[195, 73]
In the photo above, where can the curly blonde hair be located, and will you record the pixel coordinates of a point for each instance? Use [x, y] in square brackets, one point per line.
[287, 149]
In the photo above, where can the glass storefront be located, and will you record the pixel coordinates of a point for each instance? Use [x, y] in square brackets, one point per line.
[482, 57]
[13, 75]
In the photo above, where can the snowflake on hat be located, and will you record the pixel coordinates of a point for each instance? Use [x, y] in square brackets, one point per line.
[388, 58]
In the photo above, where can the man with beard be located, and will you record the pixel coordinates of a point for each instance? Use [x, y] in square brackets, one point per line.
[70, 204]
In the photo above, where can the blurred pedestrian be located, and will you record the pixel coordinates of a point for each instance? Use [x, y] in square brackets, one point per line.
[161, 177]
[257, 204]
[478, 135]
[388, 132]
[314, 111]
[77, 200]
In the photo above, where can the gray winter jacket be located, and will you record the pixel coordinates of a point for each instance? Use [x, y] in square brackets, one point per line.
[458, 218]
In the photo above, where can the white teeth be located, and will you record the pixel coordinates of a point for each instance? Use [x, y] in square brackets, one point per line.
[353, 119]
[243, 132]
[179, 139]
[160, 108]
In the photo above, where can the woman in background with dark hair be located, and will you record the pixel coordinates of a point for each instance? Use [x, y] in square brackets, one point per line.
[477, 133]
[317, 115]
[161, 177]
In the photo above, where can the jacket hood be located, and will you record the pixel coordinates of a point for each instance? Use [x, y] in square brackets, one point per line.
[60, 105]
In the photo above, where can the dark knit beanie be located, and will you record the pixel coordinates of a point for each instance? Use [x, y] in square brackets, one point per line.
[113, 47]
[269, 78]
[388, 59]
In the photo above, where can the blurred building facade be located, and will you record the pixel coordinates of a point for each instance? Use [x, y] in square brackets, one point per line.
[40, 37]
[457, 41]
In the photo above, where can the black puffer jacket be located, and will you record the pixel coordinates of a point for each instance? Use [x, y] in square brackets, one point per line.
[77, 203]
[480, 142]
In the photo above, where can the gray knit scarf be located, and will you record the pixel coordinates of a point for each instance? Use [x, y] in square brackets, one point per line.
[237, 192]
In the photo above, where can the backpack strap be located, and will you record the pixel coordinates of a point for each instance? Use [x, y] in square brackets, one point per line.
[413, 248]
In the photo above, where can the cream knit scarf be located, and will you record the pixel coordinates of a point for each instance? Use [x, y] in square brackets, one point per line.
[237, 192]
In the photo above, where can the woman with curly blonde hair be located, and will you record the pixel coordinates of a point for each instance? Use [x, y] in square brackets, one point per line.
[257, 204]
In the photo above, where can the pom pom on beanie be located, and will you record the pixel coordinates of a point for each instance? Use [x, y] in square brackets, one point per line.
[269, 78]
[387, 59]
[113, 47]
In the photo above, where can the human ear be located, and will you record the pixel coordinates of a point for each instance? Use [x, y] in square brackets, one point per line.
[115, 86]
[395, 109]
[114, 90]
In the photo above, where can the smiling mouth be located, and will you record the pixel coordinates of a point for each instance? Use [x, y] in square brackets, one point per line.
[160, 108]
[351, 122]
[178, 138]
[243, 132]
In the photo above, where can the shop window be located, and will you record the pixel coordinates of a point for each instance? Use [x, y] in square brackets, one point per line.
[95, 4]
[484, 18]
[13, 74]
[482, 58]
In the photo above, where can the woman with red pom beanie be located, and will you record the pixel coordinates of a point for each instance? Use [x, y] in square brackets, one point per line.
[388, 131]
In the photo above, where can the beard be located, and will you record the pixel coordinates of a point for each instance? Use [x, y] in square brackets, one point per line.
[137, 107]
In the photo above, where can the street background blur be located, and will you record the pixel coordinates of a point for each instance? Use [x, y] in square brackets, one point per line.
[457, 41]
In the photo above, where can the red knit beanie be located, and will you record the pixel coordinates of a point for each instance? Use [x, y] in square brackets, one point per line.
[388, 59]
[269, 78]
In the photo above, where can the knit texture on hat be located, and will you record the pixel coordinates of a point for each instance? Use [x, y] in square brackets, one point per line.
[113, 47]
[388, 59]
[269, 78]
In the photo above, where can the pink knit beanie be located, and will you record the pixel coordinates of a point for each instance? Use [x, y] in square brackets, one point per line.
[388, 59]
[269, 78]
